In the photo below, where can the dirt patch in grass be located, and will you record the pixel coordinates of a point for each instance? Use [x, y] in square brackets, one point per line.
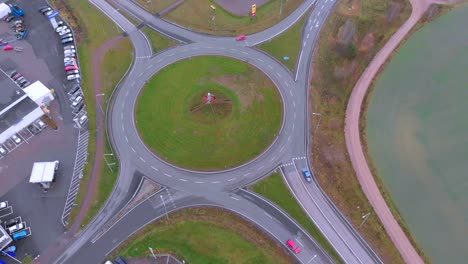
[245, 90]
[353, 34]
[220, 221]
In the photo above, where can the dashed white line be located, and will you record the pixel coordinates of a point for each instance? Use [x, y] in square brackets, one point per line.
[300, 243]
[121, 116]
[168, 175]
[322, 7]
[289, 138]
[199, 182]
[154, 168]
[247, 174]
[294, 115]
[279, 75]
[133, 83]
[269, 66]
[308, 35]
[149, 67]
[318, 14]
[232, 179]
[303, 44]
[268, 215]
[123, 129]
[286, 83]
[184, 180]
[260, 60]
[293, 126]
[282, 148]
[294, 104]
[233, 50]
[170, 55]
[261, 167]
[216, 182]
[273, 157]
[245, 53]
[290, 92]
[141, 74]
[133, 149]
[126, 139]
[235, 198]
[142, 159]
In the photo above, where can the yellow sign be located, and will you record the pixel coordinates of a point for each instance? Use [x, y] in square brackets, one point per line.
[254, 9]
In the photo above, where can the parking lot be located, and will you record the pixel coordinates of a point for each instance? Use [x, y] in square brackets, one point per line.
[41, 58]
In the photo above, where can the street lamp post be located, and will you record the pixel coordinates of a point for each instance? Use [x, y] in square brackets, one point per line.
[318, 123]
[152, 253]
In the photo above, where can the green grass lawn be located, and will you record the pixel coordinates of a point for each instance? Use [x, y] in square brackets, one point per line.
[158, 41]
[155, 6]
[218, 136]
[287, 44]
[226, 23]
[275, 189]
[83, 17]
[206, 236]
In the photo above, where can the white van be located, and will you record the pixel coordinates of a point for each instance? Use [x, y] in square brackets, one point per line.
[16, 228]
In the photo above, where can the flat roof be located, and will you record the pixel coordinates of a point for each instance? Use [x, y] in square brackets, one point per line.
[17, 113]
[5, 239]
[42, 172]
[9, 91]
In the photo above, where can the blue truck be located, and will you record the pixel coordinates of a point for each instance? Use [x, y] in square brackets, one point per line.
[16, 11]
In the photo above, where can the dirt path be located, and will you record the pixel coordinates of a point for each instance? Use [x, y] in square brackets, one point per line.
[353, 140]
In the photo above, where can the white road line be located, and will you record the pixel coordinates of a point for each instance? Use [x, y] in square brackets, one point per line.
[123, 129]
[300, 243]
[232, 179]
[261, 167]
[133, 149]
[126, 139]
[149, 67]
[133, 83]
[260, 60]
[126, 94]
[303, 44]
[269, 66]
[199, 182]
[279, 75]
[235, 198]
[268, 215]
[247, 174]
[184, 180]
[142, 159]
[216, 182]
[274, 157]
[322, 7]
[170, 55]
[308, 35]
[141, 74]
[290, 92]
[289, 138]
[286, 83]
[294, 115]
[170, 176]
[318, 14]
[233, 50]
[294, 104]
[293, 126]
[156, 169]
[121, 116]
[245, 53]
[282, 148]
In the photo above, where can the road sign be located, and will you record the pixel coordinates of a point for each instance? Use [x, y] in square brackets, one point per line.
[254, 10]
[54, 14]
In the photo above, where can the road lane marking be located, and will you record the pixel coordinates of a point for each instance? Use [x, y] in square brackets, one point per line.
[149, 67]
[133, 149]
[216, 182]
[234, 198]
[308, 35]
[121, 116]
[156, 169]
[126, 94]
[269, 66]
[232, 179]
[282, 148]
[290, 92]
[318, 14]
[322, 7]
[294, 104]
[142, 159]
[199, 182]
[141, 74]
[289, 138]
[268, 215]
[168, 175]
[245, 53]
[286, 83]
[299, 243]
[126, 139]
[261, 167]
[260, 60]
[233, 50]
[293, 126]
[123, 129]
[170, 55]
[279, 75]
[184, 180]
[247, 174]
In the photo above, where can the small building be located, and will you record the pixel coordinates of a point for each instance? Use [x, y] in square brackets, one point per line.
[43, 173]
[20, 107]
[4, 10]
[5, 239]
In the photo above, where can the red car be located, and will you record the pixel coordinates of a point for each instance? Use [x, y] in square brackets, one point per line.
[71, 68]
[292, 245]
[241, 37]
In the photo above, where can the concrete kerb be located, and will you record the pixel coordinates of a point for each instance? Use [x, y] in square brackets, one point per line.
[245, 217]
[291, 219]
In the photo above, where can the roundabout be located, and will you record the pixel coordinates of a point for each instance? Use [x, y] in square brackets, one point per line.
[209, 113]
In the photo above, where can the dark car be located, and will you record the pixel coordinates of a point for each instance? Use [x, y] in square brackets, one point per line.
[67, 40]
[44, 10]
[16, 76]
[12, 222]
[120, 260]
[78, 108]
[74, 90]
[9, 18]
[13, 73]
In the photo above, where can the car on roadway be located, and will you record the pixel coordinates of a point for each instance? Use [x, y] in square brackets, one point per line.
[241, 37]
[292, 245]
[3, 205]
[307, 174]
[3, 151]
[20, 235]
[16, 139]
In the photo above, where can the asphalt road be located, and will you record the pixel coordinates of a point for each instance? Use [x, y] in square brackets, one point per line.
[189, 188]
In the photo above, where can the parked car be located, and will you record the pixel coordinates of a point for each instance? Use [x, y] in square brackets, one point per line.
[68, 63]
[69, 50]
[68, 35]
[12, 73]
[60, 23]
[16, 228]
[71, 68]
[82, 119]
[74, 89]
[77, 101]
[40, 124]
[68, 59]
[292, 245]
[20, 79]
[241, 37]
[48, 12]
[45, 9]
[16, 76]
[8, 18]
[63, 32]
[20, 235]
[3, 151]
[42, 8]
[12, 222]
[307, 175]
[78, 108]
[25, 84]
[3, 205]
[69, 47]
[72, 77]
[73, 72]
[61, 28]
[16, 139]
[34, 130]
[120, 260]
[67, 40]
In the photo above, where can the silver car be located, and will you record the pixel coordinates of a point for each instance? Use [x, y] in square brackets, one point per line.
[72, 77]
[16, 139]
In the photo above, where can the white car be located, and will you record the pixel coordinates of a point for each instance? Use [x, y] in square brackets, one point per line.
[66, 59]
[69, 47]
[73, 72]
[16, 227]
[16, 139]
[3, 151]
[3, 205]
[72, 77]
[61, 28]
[63, 32]
[40, 124]
[69, 50]
[82, 119]
[77, 101]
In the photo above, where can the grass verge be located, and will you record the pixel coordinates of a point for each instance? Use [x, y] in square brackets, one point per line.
[205, 235]
[158, 41]
[353, 34]
[83, 17]
[275, 189]
[288, 44]
[223, 135]
[222, 22]
[155, 6]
